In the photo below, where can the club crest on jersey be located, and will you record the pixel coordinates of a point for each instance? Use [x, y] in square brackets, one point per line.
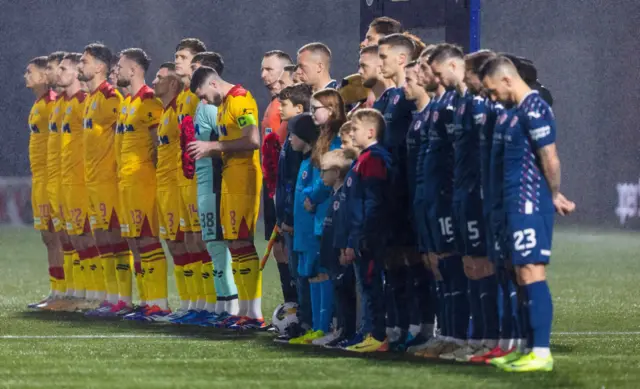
[336, 205]
[304, 174]
[417, 126]
[68, 111]
[396, 99]
[166, 121]
[503, 117]
[513, 121]
[461, 110]
[188, 99]
[435, 116]
[94, 105]
[349, 181]
[133, 109]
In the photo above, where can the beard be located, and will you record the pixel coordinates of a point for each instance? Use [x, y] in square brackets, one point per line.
[84, 78]
[122, 83]
[369, 82]
[217, 100]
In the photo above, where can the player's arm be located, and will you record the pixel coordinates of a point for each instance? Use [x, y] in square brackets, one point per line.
[152, 109]
[153, 133]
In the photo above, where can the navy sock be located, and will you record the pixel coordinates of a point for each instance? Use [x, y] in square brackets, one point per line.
[316, 301]
[287, 284]
[326, 304]
[458, 297]
[305, 311]
[399, 290]
[523, 315]
[444, 294]
[489, 300]
[391, 315]
[475, 308]
[345, 303]
[540, 313]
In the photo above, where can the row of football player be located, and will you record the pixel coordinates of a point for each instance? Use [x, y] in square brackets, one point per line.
[458, 175]
[110, 179]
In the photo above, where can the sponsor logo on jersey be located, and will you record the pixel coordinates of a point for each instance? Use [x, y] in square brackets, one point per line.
[540, 133]
[534, 114]
[628, 194]
[503, 117]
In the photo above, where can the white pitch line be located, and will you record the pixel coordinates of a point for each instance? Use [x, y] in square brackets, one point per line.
[161, 336]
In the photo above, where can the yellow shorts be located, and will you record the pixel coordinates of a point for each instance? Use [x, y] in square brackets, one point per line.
[168, 212]
[240, 202]
[137, 211]
[40, 206]
[189, 217]
[103, 202]
[75, 209]
[53, 194]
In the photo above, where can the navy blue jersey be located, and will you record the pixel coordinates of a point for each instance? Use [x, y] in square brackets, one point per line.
[333, 84]
[369, 198]
[329, 252]
[532, 127]
[487, 112]
[340, 220]
[288, 167]
[416, 142]
[466, 172]
[438, 163]
[497, 169]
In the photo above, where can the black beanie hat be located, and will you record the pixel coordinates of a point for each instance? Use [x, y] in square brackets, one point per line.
[303, 127]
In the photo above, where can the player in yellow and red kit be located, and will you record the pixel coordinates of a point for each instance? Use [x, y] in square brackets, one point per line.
[36, 79]
[239, 140]
[137, 183]
[167, 85]
[99, 122]
[74, 199]
[198, 266]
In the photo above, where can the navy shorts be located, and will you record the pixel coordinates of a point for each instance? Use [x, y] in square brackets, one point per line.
[529, 238]
[420, 223]
[470, 225]
[441, 228]
[268, 213]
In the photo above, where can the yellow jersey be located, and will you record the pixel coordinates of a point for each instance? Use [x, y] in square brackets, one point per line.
[238, 110]
[168, 146]
[71, 140]
[122, 115]
[38, 138]
[53, 141]
[99, 121]
[137, 149]
[187, 102]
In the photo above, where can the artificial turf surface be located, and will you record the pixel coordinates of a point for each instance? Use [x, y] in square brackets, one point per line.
[596, 343]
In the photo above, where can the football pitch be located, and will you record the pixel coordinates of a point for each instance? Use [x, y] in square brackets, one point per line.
[596, 342]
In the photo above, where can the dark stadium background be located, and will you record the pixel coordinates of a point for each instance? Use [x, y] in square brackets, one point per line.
[586, 52]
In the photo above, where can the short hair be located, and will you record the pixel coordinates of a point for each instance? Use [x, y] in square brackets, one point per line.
[210, 59]
[399, 40]
[39, 62]
[371, 116]
[411, 64]
[73, 57]
[346, 128]
[474, 61]
[426, 53]
[298, 94]
[290, 68]
[371, 49]
[281, 55]
[194, 45]
[200, 76]
[56, 56]
[418, 44]
[340, 159]
[385, 25]
[171, 66]
[100, 52]
[493, 65]
[138, 56]
[444, 51]
[316, 48]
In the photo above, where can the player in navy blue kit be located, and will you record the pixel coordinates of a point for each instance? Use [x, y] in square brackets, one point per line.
[438, 192]
[419, 280]
[531, 195]
[368, 200]
[448, 64]
[395, 52]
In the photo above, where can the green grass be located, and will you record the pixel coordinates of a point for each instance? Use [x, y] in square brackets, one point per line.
[594, 280]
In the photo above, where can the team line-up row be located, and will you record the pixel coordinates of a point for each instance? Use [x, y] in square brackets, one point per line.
[431, 197]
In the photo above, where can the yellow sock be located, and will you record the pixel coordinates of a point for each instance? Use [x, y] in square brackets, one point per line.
[79, 275]
[124, 276]
[207, 283]
[61, 284]
[249, 269]
[190, 283]
[97, 273]
[237, 278]
[196, 267]
[181, 280]
[68, 267]
[108, 260]
[140, 284]
[53, 286]
[154, 266]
